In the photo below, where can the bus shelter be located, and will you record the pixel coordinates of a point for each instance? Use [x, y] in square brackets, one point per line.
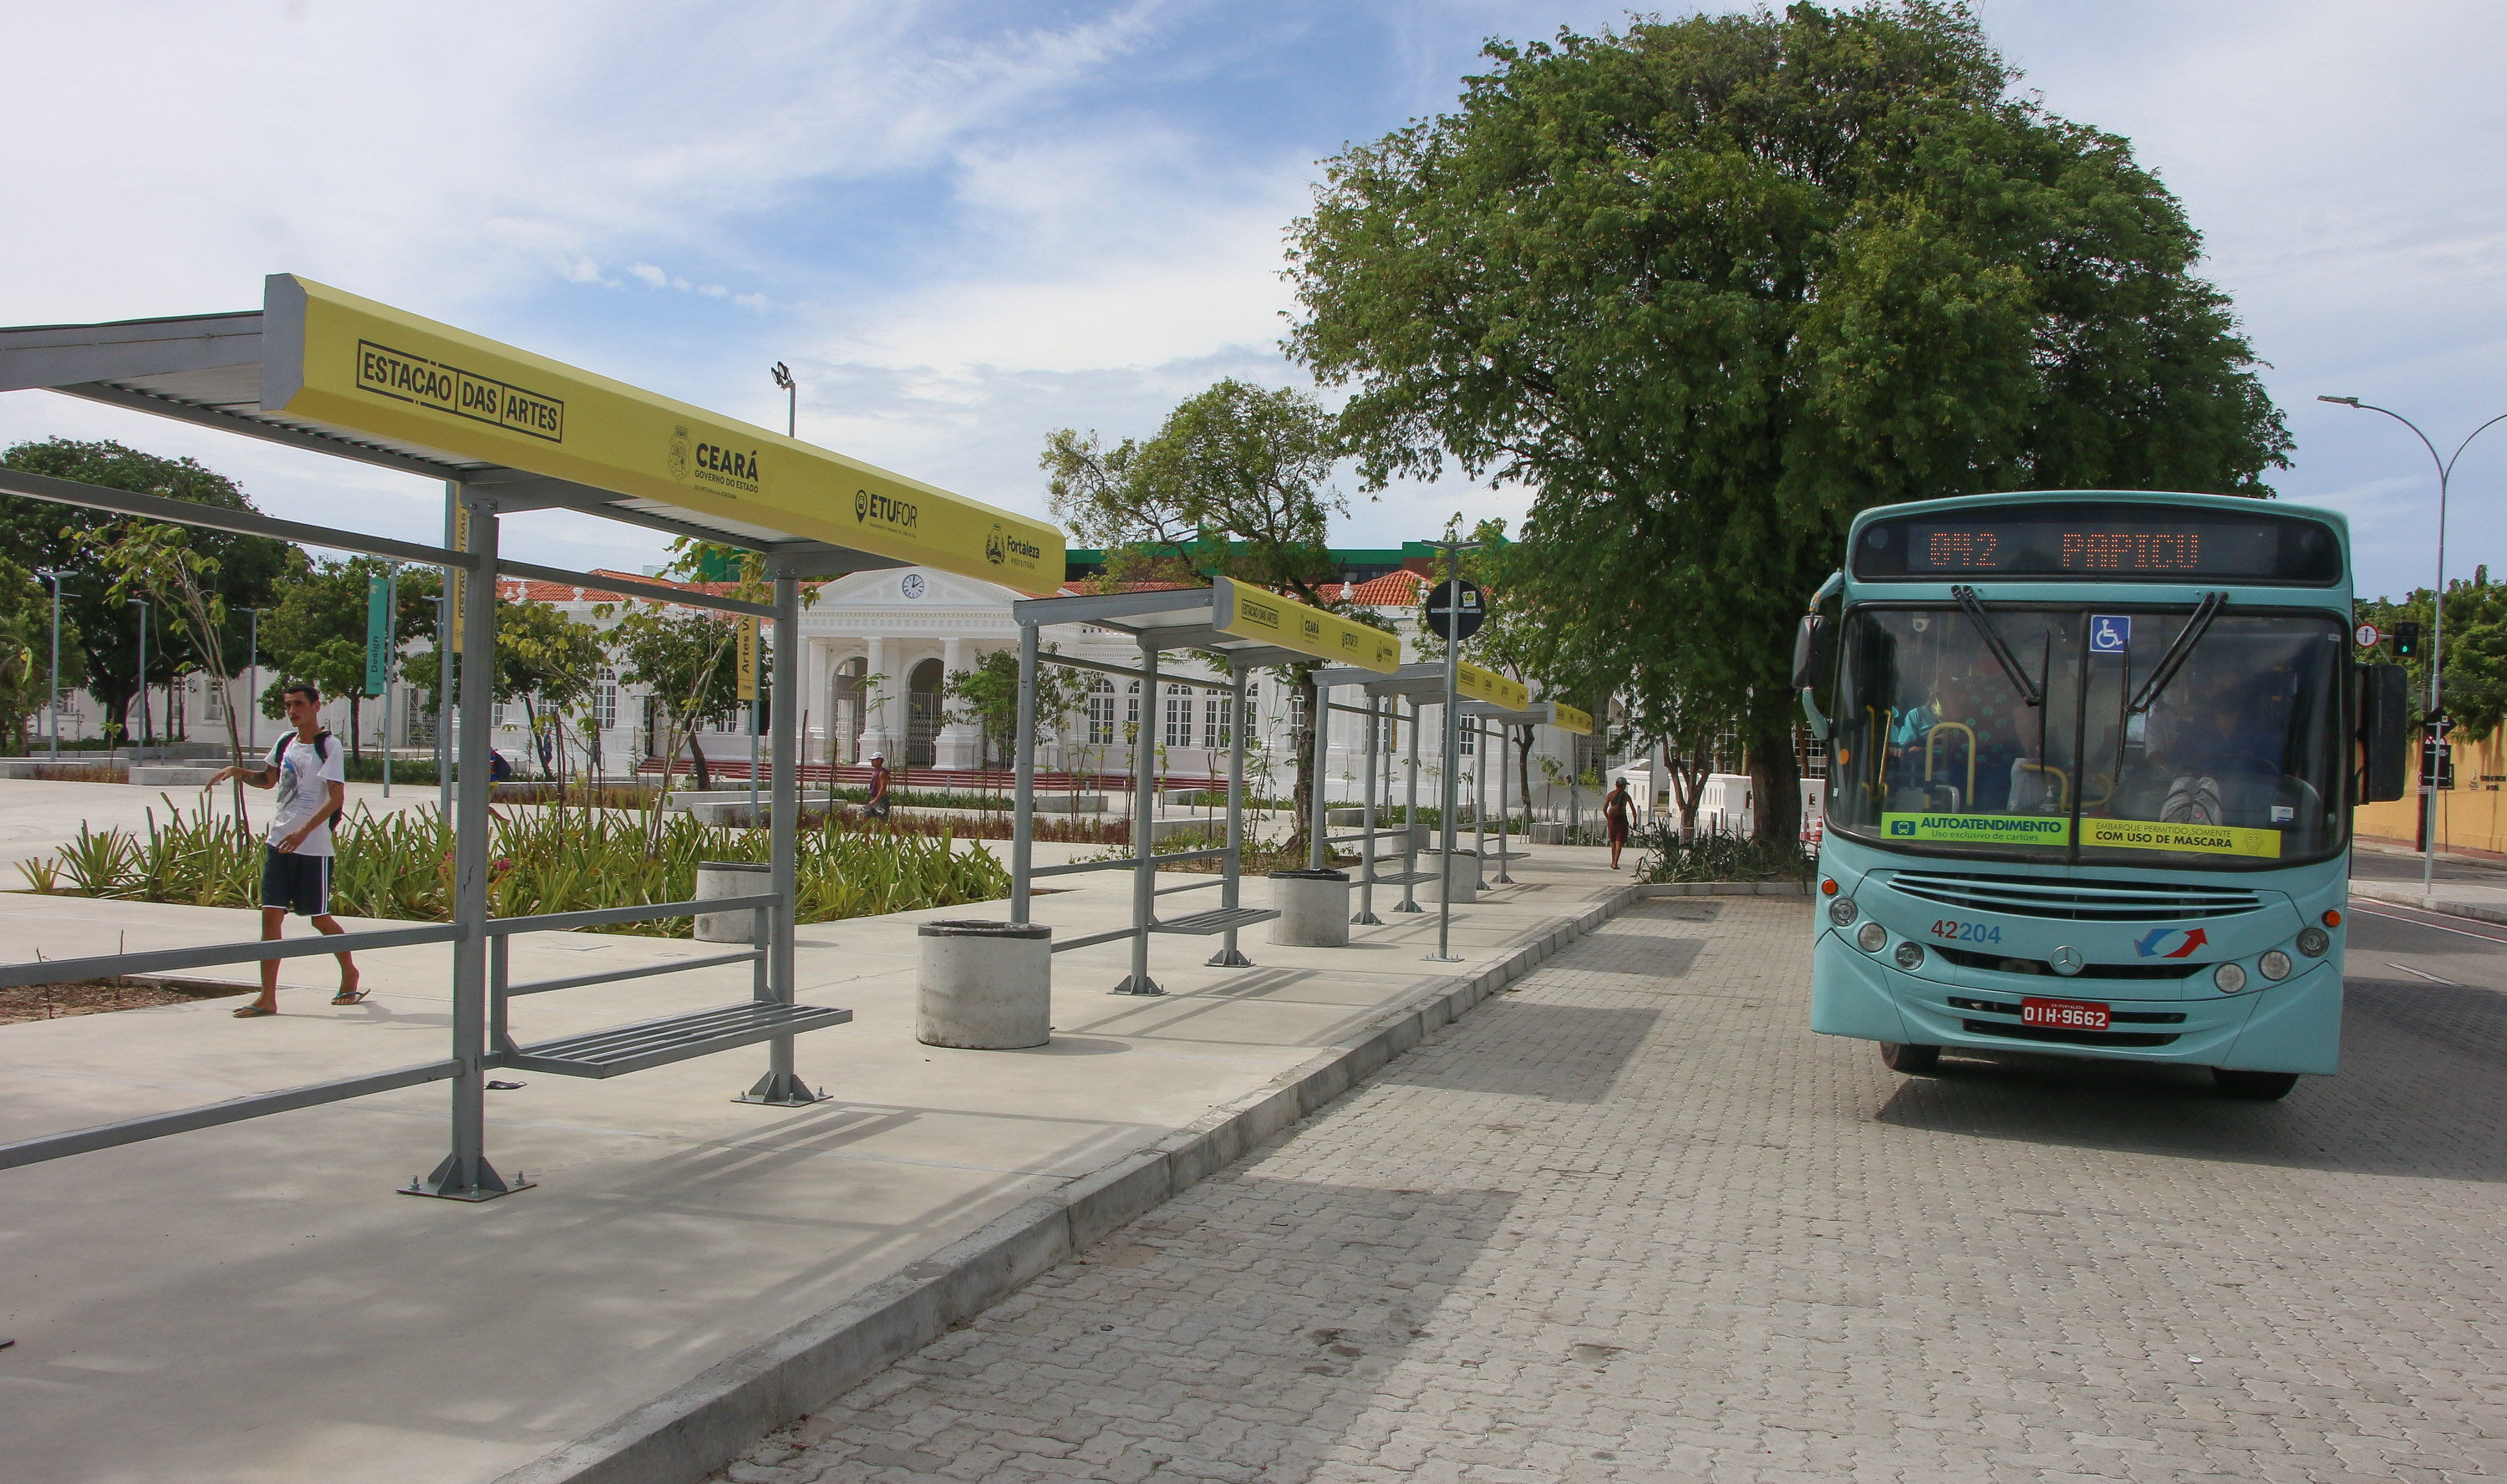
[507, 431]
[1496, 722]
[1243, 627]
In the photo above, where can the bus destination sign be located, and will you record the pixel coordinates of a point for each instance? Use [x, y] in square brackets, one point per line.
[2102, 541]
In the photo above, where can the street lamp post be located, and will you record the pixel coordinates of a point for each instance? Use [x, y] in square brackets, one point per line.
[782, 375]
[2437, 617]
[252, 691]
[145, 726]
[54, 575]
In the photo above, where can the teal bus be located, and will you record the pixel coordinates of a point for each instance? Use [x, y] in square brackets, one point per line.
[2091, 761]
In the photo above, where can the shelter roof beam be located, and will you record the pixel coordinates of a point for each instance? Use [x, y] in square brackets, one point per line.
[241, 523]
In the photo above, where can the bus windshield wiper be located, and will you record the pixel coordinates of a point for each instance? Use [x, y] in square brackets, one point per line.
[2179, 652]
[2029, 690]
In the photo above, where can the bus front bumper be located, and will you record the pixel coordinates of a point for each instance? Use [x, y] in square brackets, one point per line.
[2293, 1026]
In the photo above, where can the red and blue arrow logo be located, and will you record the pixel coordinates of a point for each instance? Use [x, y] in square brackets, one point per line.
[2156, 944]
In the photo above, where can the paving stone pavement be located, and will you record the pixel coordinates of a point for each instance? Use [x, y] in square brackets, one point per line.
[1631, 1220]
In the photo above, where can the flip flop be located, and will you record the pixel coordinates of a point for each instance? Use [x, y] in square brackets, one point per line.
[351, 996]
[249, 1012]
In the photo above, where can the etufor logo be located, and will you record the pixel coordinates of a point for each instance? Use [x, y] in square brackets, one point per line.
[2169, 942]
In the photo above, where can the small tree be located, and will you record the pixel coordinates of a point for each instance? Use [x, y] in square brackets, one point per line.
[1235, 484]
[159, 561]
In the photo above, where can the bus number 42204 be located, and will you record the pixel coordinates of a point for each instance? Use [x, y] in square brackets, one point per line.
[1967, 933]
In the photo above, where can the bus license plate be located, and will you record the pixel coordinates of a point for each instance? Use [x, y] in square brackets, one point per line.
[2063, 1014]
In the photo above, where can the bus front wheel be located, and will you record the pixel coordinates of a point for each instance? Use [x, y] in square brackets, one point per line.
[1914, 1061]
[2256, 1086]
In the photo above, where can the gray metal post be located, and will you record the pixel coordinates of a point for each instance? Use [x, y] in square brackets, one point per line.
[1320, 720]
[1231, 867]
[1410, 821]
[1023, 803]
[144, 726]
[56, 705]
[1366, 846]
[1480, 798]
[445, 674]
[782, 1087]
[1449, 796]
[1145, 875]
[252, 690]
[391, 652]
[465, 1174]
[1505, 741]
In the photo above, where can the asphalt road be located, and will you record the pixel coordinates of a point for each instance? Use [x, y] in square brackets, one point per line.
[2402, 946]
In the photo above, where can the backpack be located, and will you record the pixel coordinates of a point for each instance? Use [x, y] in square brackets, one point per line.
[321, 750]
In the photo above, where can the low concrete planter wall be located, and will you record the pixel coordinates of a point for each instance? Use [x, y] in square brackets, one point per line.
[983, 986]
[730, 878]
[25, 767]
[1313, 908]
[1463, 877]
[172, 775]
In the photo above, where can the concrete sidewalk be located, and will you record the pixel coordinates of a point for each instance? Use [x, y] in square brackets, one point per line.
[2464, 886]
[254, 1303]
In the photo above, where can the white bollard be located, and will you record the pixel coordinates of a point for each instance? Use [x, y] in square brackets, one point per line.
[731, 878]
[1313, 908]
[984, 985]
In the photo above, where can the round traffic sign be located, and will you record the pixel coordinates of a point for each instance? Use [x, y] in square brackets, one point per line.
[1456, 610]
[2366, 635]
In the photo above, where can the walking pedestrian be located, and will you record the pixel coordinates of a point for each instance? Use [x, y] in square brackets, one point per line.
[1619, 812]
[878, 805]
[311, 774]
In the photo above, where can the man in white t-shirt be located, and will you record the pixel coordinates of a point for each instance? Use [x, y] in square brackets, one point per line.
[311, 774]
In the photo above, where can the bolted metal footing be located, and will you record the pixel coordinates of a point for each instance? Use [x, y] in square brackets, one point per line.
[481, 1183]
[1440, 958]
[1408, 907]
[1367, 919]
[1144, 984]
[1229, 957]
[781, 1089]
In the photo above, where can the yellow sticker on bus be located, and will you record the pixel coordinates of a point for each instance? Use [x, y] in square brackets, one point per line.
[2200, 839]
[1250, 612]
[1979, 829]
[366, 369]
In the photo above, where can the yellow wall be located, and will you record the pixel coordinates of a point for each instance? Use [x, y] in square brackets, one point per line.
[2472, 816]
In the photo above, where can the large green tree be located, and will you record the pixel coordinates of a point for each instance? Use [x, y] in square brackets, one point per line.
[26, 652]
[317, 633]
[1710, 286]
[38, 534]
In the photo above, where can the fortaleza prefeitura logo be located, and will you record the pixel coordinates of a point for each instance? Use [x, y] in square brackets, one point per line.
[996, 548]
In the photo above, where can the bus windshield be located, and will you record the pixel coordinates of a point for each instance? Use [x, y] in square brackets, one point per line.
[2051, 743]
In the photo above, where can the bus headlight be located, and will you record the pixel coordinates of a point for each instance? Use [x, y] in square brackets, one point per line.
[2229, 978]
[2314, 941]
[1910, 956]
[1873, 938]
[2275, 965]
[1841, 911]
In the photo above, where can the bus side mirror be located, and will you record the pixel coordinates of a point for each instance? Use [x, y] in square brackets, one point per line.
[2384, 728]
[1811, 653]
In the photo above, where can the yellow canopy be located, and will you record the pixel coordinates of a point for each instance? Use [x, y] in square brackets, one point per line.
[1249, 612]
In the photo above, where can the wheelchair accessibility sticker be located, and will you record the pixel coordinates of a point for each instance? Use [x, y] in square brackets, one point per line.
[2110, 633]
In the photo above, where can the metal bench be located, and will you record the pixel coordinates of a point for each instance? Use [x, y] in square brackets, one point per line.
[650, 1043]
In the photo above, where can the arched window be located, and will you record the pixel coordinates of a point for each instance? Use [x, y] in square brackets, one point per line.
[1178, 717]
[1101, 711]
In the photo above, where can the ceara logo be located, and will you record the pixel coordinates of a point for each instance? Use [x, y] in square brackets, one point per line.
[678, 455]
[2169, 942]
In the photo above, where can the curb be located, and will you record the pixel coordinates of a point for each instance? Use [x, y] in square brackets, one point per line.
[2404, 896]
[693, 1429]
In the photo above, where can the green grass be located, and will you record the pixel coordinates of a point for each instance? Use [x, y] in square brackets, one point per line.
[1667, 857]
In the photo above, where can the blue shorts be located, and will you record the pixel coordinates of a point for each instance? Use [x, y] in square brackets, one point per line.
[299, 883]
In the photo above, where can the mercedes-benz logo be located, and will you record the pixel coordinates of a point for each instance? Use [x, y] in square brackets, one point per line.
[2068, 960]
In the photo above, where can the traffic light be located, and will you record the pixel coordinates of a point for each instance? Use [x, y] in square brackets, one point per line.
[2407, 641]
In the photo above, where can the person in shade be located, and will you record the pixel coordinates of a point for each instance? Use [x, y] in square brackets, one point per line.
[877, 806]
[1619, 816]
[310, 772]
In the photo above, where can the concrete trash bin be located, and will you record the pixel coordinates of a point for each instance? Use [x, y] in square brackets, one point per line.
[730, 878]
[1313, 908]
[1463, 876]
[983, 986]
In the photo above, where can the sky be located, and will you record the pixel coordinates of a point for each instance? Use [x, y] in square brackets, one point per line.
[964, 225]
